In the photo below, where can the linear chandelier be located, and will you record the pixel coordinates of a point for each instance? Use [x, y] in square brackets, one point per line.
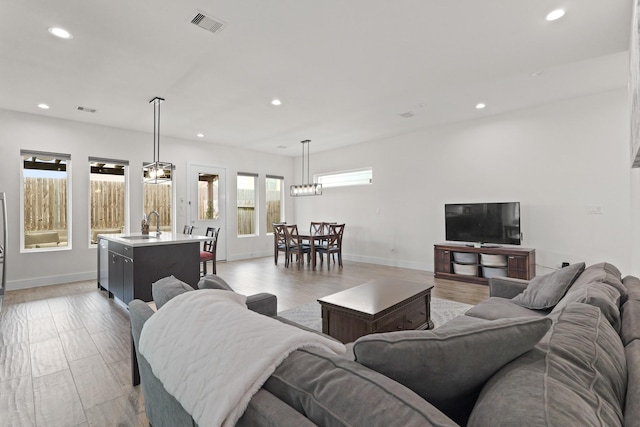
[156, 172]
[308, 188]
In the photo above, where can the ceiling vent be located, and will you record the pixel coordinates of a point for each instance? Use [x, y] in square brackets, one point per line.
[207, 22]
[407, 114]
[86, 110]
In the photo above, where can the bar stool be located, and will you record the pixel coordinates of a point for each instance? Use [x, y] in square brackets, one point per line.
[208, 252]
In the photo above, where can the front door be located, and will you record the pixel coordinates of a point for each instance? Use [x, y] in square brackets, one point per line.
[207, 203]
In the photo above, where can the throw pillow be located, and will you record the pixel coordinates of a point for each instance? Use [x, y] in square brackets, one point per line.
[449, 367]
[165, 289]
[544, 292]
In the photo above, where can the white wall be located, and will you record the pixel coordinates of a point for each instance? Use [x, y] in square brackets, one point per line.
[555, 159]
[33, 132]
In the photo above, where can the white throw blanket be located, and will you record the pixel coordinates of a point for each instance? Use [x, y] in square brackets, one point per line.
[213, 354]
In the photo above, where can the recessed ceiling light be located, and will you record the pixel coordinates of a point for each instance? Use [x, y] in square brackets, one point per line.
[60, 32]
[480, 105]
[43, 106]
[282, 147]
[276, 102]
[200, 135]
[555, 14]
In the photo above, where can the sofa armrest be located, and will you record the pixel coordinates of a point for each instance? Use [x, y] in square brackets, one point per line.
[139, 313]
[506, 287]
[263, 303]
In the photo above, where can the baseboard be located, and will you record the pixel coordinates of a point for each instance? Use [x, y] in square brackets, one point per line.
[50, 280]
[423, 266]
[249, 255]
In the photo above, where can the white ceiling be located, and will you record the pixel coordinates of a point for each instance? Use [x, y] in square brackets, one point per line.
[345, 70]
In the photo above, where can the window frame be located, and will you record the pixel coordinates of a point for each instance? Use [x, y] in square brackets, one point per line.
[61, 156]
[124, 163]
[256, 207]
[282, 199]
[319, 178]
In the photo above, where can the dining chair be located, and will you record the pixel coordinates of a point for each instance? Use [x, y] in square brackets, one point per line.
[317, 228]
[322, 228]
[188, 229]
[208, 252]
[280, 243]
[295, 244]
[333, 244]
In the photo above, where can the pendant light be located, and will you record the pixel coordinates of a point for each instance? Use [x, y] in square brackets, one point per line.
[156, 172]
[308, 188]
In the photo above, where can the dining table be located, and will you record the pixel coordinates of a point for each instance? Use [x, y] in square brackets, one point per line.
[312, 237]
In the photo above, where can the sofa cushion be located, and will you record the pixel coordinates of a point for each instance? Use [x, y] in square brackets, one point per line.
[333, 391]
[544, 292]
[632, 407]
[576, 375]
[599, 294]
[166, 288]
[211, 281]
[632, 285]
[495, 308]
[605, 273]
[266, 410]
[448, 366]
[598, 272]
[630, 330]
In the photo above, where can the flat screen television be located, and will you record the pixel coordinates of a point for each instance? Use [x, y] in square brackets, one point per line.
[497, 223]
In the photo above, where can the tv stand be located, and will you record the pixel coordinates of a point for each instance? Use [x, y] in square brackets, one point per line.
[520, 263]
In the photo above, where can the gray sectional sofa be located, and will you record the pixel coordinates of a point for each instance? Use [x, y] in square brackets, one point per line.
[563, 350]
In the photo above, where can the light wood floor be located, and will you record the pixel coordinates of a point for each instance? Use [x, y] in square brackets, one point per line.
[64, 349]
[295, 287]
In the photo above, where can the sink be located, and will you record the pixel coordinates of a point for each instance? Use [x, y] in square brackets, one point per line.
[145, 237]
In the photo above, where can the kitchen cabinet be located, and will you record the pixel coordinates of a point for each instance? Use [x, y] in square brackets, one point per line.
[135, 264]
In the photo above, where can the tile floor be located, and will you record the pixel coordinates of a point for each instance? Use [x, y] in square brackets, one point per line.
[64, 359]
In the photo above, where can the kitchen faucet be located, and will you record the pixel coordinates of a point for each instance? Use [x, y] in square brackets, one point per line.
[158, 232]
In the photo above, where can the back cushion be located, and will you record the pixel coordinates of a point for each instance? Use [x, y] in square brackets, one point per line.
[167, 288]
[630, 321]
[632, 285]
[605, 273]
[575, 376]
[599, 294]
[333, 391]
[632, 408]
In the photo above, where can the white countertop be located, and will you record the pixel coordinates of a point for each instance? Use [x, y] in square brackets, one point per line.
[166, 238]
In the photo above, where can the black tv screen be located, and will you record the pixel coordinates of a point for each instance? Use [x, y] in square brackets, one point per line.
[483, 222]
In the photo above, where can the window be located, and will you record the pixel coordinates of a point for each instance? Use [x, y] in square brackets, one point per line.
[346, 178]
[158, 197]
[108, 197]
[247, 204]
[208, 207]
[275, 200]
[46, 201]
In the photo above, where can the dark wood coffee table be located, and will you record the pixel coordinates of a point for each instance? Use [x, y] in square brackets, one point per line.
[382, 305]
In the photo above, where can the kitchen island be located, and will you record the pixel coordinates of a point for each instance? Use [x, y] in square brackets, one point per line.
[129, 263]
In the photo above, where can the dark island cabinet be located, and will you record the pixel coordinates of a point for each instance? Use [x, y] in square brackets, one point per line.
[133, 269]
